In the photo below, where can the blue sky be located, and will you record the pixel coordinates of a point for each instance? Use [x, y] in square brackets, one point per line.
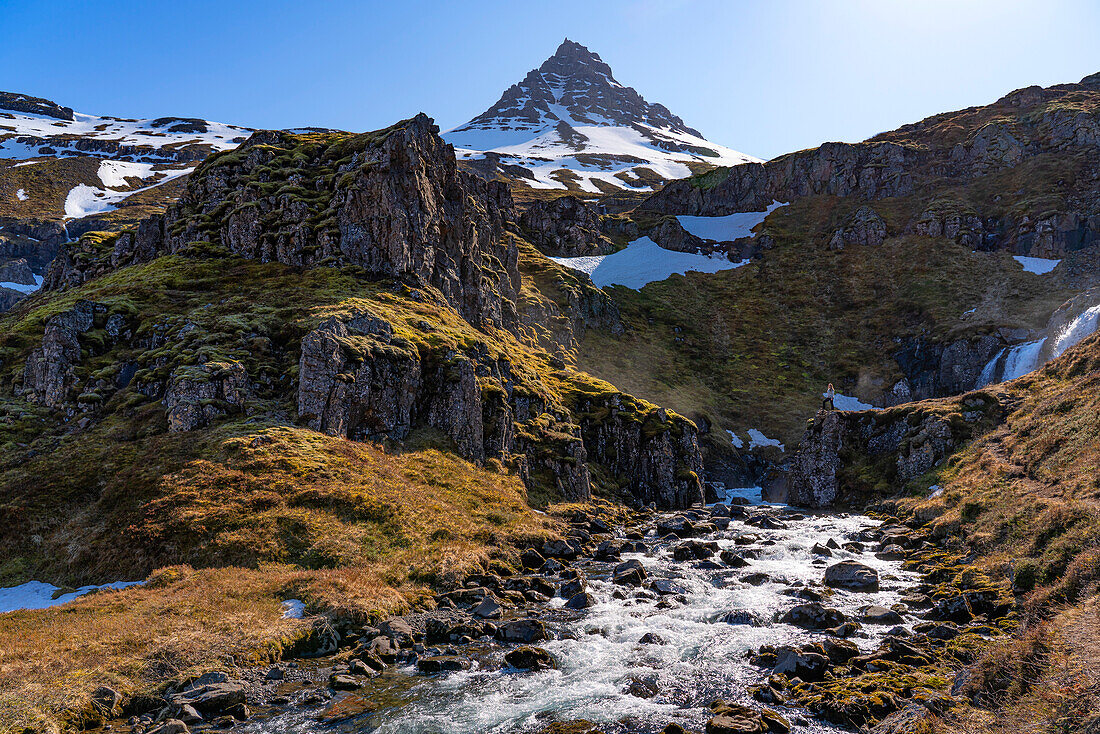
[764, 77]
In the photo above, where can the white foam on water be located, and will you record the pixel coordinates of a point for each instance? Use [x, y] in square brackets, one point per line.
[599, 654]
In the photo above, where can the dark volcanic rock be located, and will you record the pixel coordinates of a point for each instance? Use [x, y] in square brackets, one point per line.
[565, 227]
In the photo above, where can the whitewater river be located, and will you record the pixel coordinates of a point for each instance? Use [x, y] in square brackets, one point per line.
[598, 652]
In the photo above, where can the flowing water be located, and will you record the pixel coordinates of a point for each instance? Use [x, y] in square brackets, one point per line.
[598, 651]
[1017, 361]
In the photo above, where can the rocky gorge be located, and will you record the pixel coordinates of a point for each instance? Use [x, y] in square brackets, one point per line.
[731, 618]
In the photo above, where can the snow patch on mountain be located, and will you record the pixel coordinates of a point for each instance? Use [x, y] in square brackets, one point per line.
[571, 125]
[727, 228]
[1037, 265]
[643, 261]
[84, 200]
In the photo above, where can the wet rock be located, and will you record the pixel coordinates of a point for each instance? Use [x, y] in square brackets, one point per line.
[629, 573]
[794, 663]
[853, 576]
[741, 616]
[819, 550]
[873, 614]
[666, 587]
[529, 658]
[954, 609]
[756, 579]
[188, 714]
[442, 664]
[891, 553]
[488, 609]
[170, 726]
[733, 560]
[532, 560]
[813, 616]
[677, 525]
[642, 687]
[343, 682]
[582, 600]
[521, 630]
[840, 651]
[609, 550]
[652, 638]
[733, 718]
[569, 589]
[210, 694]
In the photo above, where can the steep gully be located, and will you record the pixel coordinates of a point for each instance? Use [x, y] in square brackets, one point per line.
[637, 627]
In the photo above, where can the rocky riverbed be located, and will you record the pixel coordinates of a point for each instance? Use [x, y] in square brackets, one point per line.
[730, 618]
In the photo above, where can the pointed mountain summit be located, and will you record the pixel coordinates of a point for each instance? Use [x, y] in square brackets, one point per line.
[570, 125]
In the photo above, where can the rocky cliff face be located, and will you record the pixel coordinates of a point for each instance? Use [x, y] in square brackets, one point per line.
[1029, 127]
[565, 227]
[358, 379]
[391, 202]
[390, 208]
[847, 459]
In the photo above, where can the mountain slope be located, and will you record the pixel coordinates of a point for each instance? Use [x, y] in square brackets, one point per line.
[894, 271]
[63, 173]
[570, 125]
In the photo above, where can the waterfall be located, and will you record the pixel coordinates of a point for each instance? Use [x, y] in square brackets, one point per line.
[1075, 331]
[1013, 362]
[1022, 359]
[989, 372]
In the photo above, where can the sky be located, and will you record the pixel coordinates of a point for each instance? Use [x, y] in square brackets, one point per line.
[764, 77]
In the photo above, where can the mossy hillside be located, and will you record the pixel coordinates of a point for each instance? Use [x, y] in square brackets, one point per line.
[354, 530]
[1017, 523]
[753, 347]
[192, 311]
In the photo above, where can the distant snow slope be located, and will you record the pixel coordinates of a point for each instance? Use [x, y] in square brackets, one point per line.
[569, 124]
[644, 261]
[24, 135]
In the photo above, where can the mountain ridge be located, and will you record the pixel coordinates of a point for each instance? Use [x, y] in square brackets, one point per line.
[572, 126]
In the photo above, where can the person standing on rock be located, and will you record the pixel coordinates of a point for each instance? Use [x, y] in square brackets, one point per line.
[827, 403]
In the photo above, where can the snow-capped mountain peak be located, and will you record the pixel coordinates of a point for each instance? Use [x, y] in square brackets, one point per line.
[570, 124]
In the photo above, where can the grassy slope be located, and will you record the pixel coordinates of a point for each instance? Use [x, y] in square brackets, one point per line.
[264, 509]
[753, 347]
[1021, 504]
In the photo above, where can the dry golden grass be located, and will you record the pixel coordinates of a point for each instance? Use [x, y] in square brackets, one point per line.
[1023, 499]
[351, 529]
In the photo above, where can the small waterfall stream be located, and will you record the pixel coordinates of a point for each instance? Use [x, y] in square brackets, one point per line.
[1017, 361]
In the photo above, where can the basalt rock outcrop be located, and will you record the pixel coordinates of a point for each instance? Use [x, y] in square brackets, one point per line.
[894, 446]
[864, 227]
[565, 227]
[197, 396]
[360, 380]
[49, 376]
[391, 202]
[927, 161]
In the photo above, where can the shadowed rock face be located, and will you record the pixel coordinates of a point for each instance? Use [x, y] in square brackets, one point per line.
[565, 227]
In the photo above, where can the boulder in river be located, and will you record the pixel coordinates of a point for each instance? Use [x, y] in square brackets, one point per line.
[522, 630]
[794, 663]
[629, 573]
[813, 616]
[442, 663]
[209, 694]
[734, 718]
[852, 575]
[529, 658]
[582, 600]
[873, 614]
